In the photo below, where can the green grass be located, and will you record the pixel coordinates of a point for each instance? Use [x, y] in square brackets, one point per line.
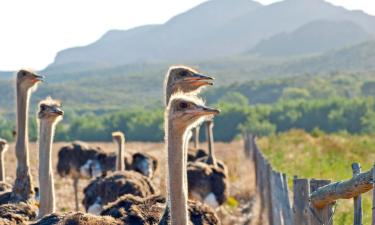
[323, 157]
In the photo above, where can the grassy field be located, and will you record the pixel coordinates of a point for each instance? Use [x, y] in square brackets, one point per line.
[323, 157]
[294, 152]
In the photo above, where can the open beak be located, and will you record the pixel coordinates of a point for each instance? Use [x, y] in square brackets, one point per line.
[38, 78]
[199, 80]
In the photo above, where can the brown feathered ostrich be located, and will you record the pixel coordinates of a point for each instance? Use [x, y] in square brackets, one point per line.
[49, 115]
[21, 212]
[80, 161]
[108, 188]
[22, 190]
[4, 186]
[207, 176]
[104, 190]
[182, 113]
[140, 162]
[186, 80]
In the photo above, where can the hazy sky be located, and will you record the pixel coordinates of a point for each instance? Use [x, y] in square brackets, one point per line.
[32, 32]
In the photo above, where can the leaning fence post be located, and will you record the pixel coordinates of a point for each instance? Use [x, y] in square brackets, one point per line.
[323, 215]
[356, 167]
[373, 196]
[301, 190]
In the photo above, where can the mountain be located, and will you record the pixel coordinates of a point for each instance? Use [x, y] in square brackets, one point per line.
[216, 28]
[314, 37]
[173, 40]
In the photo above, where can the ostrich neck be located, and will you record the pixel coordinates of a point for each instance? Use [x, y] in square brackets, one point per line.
[120, 155]
[196, 137]
[211, 152]
[177, 177]
[23, 185]
[2, 171]
[46, 187]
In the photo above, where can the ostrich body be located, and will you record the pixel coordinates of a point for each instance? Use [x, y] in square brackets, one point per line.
[23, 189]
[49, 115]
[108, 188]
[104, 190]
[4, 186]
[180, 115]
[207, 176]
[80, 161]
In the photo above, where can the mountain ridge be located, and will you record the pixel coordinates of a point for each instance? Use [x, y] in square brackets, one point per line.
[201, 33]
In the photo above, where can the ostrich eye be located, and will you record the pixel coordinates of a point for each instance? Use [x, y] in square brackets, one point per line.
[183, 105]
[184, 73]
[23, 73]
[43, 107]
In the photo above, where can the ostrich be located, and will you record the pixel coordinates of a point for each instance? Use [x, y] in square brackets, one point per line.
[108, 188]
[22, 190]
[207, 177]
[21, 212]
[140, 162]
[4, 186]
[210, 159]
[80, 161]
[104, 190]
[189, 82]
[49, 115]
[182, 113]
[122, 158]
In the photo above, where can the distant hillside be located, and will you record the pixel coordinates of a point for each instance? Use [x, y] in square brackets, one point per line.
[358, 58]
[216, 28]
[315, 37]
[141, 84]
[172, 40]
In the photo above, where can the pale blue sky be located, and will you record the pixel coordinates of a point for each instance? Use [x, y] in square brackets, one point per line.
[32, 32]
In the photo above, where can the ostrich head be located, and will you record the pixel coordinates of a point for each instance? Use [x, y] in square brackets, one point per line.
[3, 145]
[118, 136]
[50, 110]
[185, 79]
[187, 111]
[27, 79]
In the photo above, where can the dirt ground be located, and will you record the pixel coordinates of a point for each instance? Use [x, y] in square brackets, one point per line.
[238, 210]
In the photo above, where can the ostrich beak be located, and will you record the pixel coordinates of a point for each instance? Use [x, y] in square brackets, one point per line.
[38, 78]
[205, 111]
[58, 111]
[199, 80]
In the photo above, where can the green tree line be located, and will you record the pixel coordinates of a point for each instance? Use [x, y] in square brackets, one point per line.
[331, 115]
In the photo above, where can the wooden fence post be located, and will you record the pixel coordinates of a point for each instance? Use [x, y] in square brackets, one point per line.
[281, 211]
[301, 190]
[286, 208]
[356, 167]
[373, 196]
[320, 216]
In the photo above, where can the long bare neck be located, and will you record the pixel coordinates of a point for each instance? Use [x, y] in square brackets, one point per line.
[23, 185]
[120, 164]
[196, 137]
[46, 187]
[177, 198]
[211, 151]
[2, 171]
